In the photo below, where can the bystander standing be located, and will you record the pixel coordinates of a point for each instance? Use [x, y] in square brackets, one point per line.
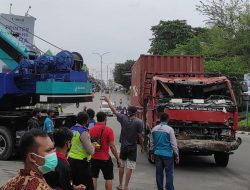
[61, 178]
[36, 150]
[80, 152]
[132, 129]
[34, 121]
[91, 121]
[59, 109]
[101, 160]
[164, 149]
[49, 124]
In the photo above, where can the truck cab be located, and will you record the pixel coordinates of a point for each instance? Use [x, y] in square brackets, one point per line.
[202, 108]
[202, 111]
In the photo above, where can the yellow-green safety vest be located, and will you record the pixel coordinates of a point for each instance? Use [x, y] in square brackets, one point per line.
[77, 151]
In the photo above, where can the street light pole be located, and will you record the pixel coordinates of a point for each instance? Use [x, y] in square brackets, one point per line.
[107, 74]
[101, 55]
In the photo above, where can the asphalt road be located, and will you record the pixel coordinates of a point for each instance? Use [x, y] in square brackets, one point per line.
[194, 173]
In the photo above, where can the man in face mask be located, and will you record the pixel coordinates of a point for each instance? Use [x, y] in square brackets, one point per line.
[37, 151]
[62, 177]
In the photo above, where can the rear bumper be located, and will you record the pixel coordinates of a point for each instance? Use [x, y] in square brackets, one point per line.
[207, 145]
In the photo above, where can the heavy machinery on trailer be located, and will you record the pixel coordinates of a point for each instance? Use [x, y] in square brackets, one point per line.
[35, 79]
[202, 108]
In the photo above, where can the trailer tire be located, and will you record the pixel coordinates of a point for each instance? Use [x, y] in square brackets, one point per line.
[221, 159]
[6, 143]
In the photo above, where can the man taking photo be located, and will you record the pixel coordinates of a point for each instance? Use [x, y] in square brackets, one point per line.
[132, 128]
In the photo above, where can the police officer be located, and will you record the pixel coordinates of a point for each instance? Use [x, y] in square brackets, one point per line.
[80, 152]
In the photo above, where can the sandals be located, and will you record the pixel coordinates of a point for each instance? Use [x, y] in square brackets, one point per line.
[119, 188]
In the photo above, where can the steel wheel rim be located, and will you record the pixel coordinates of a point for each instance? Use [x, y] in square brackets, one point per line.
[3, 144]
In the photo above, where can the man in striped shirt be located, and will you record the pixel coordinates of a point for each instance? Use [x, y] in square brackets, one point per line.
[165, 150]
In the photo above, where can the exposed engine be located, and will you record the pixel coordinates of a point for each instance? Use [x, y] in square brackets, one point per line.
[193, 111]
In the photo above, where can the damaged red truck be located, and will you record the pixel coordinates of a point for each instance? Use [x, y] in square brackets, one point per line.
[202, 108]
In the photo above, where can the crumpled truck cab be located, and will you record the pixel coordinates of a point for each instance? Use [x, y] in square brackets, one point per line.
[202, 108]
[202, 111]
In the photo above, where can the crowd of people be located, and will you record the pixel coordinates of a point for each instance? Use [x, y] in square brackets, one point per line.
[71, 159]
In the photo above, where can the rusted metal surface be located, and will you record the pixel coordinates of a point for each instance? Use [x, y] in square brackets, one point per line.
[191, 80]
[199, 105]
[208, 145]
[199, 116]
[204, 116]
[174, 64]
[160, 64]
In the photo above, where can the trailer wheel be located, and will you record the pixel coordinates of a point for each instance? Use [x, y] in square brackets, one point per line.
[221, 159]
[6, 143]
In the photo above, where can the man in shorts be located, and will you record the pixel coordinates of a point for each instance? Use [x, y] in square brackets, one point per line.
[101, 160]
[132, 128]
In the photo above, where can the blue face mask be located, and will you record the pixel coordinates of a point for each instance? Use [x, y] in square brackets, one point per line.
[50, 163]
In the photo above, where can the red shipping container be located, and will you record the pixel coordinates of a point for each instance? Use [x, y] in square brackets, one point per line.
[157, 64]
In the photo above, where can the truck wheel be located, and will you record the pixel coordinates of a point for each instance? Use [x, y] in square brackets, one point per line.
[221, 159]
[6, 143]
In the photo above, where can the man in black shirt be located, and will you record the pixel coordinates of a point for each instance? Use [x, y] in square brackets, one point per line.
[34, 121]
[61, 179]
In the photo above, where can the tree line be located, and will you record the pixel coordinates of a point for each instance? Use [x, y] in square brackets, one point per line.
[224, 41]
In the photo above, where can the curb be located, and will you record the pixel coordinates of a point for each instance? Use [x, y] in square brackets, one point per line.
[243, 132]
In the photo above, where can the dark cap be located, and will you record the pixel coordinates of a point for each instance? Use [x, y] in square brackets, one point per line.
[50, 111]
[36, 111]
[132, 110]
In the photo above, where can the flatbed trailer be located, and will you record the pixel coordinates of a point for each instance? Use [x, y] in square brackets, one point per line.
[13, 124]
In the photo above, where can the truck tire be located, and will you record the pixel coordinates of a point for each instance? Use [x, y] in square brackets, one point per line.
[221, 159]
[6, 143]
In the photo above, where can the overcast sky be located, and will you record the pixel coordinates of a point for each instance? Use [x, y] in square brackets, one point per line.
[121, 27]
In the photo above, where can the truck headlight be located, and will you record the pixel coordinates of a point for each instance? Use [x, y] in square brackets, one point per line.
[226, 132]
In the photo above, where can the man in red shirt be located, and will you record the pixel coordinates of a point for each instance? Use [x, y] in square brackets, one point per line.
[103, 137]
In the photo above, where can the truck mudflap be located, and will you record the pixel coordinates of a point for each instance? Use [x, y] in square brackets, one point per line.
[208, 145]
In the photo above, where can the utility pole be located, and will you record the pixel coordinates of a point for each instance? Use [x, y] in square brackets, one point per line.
[101, 55]
[10, 8]
[107, 74]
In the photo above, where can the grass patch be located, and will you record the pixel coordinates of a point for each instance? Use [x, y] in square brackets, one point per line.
[242, 124]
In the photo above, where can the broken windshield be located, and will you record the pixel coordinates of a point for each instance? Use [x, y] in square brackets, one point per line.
[193, 91]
